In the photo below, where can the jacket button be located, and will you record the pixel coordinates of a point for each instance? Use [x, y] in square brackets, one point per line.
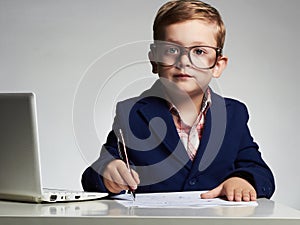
[193, 182]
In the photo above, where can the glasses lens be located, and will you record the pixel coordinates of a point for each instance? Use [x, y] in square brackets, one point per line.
[203, 57]
[167, 54]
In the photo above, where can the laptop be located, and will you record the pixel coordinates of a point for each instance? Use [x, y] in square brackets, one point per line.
[20, 170]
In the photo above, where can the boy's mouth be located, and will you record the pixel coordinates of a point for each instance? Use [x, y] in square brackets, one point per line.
[181, 76]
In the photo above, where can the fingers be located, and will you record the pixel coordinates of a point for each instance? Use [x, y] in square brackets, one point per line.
[125, 178]
[253, 196]
[214, 193]
[113, 181]
[135, 177]
[235, 189]
[238, 189]
[241, 195]
[117, 177]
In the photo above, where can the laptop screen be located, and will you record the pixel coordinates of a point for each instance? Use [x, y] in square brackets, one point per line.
[19, 152]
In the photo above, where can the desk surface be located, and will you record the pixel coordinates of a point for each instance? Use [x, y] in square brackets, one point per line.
[110, 212]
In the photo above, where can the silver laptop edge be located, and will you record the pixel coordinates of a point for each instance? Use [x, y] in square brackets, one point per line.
[20, 170]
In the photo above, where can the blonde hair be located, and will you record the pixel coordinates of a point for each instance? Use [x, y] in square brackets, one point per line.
[182, 10]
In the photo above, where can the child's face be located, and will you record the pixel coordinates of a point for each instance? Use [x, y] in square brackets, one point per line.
[183, 74]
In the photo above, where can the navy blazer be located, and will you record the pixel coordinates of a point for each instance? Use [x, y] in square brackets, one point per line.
[155, 151]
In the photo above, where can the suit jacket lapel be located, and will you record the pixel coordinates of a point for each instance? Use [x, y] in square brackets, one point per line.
[213, 135]
[156, 110]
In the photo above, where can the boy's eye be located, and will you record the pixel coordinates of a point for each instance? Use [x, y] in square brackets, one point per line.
[198, 51]
[172, 50]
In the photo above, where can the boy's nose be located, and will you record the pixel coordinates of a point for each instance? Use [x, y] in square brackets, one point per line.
[183, 61]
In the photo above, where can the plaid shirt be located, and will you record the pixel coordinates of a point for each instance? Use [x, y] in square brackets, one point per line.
[190, 136]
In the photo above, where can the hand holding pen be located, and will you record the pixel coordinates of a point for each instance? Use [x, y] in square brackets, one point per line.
[124, 156]
[118, 175]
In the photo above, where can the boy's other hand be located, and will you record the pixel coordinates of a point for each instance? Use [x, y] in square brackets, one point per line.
[235, 189]
[117, 177]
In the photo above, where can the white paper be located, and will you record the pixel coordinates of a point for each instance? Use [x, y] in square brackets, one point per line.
[189, 199]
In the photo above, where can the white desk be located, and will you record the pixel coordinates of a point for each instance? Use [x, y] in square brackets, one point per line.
[108, 212]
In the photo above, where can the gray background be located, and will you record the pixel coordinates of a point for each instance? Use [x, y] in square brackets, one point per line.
[65, 52]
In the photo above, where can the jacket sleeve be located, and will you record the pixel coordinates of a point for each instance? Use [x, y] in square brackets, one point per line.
[92, 178]
[249, 163]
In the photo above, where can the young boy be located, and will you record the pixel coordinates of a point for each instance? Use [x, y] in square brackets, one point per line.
[179, 134]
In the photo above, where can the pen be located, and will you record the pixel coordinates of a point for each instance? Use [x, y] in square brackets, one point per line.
[124, 157]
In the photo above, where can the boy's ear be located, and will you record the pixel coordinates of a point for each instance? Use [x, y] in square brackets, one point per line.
[153, 63]
[220, 66]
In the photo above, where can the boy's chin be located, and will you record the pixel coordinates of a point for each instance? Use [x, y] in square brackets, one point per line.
[187, 90]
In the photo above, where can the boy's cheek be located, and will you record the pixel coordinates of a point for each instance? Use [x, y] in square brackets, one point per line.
[203, 78]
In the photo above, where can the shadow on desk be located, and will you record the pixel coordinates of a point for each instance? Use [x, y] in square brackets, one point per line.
[73, 209]
[100, 208]
[264, 208]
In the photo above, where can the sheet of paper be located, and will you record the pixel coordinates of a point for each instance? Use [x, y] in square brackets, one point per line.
[175, 200]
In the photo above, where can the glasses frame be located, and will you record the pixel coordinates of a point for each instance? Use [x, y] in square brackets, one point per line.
[187, 51]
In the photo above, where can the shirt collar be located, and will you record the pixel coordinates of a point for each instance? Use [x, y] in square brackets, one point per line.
[206, 102]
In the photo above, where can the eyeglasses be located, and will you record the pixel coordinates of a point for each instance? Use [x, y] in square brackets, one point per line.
[201, 57]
